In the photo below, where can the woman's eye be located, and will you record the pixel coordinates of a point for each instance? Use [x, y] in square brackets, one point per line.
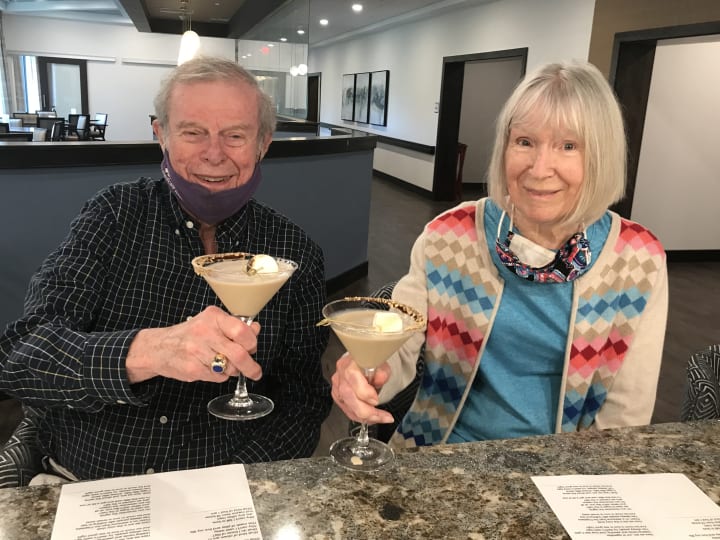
[569, 146]
[522, 141]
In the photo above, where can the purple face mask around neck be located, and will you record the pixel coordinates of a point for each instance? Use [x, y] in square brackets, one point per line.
[209, 207]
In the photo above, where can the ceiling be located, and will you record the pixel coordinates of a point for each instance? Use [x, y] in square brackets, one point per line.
[266, 20]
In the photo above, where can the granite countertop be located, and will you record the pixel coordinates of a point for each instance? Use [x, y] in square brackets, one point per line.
[473, 491]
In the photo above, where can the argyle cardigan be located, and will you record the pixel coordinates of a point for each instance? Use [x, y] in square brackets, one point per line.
[463, 293]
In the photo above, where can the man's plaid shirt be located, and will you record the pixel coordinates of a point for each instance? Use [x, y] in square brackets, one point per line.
[125, 266]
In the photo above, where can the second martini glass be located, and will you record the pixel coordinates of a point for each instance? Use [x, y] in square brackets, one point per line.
[371, 329]
[244, 291]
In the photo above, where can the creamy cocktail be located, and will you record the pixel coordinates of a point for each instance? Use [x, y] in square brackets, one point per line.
[244, 283]
[245, 293]
[371, 329]
[371, 336]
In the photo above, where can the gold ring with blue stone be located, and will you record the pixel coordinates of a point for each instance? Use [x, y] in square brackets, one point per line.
[219, 362]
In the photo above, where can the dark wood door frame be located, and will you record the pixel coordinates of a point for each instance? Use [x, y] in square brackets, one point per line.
[43, 62]
[314, 82]
[451, 88]
[630, 75]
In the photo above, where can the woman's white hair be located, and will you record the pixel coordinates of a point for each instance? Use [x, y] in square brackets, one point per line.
[574, 96]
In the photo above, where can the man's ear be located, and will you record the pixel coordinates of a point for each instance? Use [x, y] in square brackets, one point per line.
[263, 148]
[158, 131]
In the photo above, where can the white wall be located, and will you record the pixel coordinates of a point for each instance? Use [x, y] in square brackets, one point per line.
[125, 66]
[413, 52]
[678, 180]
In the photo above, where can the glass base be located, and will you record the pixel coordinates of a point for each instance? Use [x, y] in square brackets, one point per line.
[348, 454]
[224, 407]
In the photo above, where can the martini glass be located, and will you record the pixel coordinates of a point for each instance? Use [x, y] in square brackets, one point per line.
[244, 292]
[371, 329]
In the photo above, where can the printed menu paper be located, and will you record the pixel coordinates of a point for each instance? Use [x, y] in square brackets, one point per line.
[202, 504]
[646, 506]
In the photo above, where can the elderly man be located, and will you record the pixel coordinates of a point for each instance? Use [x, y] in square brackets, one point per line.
[118, 337]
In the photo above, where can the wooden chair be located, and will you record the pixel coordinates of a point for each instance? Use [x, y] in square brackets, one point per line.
[98, 127]
[28, 119]
[57, 133]
[81, 130]
[47, 122]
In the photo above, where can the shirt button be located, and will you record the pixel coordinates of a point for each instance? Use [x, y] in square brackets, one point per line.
[150, 471]
[189, 318]
[177, 231]
[163, 419]
[189, 224]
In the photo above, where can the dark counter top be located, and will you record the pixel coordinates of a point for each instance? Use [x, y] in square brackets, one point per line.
[475, 491]
[23, 155]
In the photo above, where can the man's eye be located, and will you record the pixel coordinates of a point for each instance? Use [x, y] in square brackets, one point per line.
[191, 134]
[235, 138]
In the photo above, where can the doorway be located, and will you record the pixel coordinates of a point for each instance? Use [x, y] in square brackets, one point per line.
[313, 97]
[63, 85]
[630, 75]
[451, 109]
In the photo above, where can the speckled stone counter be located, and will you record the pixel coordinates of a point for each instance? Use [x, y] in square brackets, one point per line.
[473, 491]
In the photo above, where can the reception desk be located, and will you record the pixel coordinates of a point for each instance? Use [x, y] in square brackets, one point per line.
[321, 182]
[475, 490]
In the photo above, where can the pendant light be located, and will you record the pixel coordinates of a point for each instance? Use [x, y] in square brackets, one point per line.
[190, 41]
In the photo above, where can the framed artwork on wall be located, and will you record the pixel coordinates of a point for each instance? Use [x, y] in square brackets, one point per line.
[362, 97]
[348, 97]
[379, 81]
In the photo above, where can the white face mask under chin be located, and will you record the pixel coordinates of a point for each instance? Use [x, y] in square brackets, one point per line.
[530, 253]
[527, 251]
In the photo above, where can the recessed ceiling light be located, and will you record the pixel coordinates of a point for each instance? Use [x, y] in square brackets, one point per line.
[283, 39]
[300, 31]
[249, 54]
[271, 44]
[324, 22]
[357, 8]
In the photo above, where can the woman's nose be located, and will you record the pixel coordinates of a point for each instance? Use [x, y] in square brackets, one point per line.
[543, 164]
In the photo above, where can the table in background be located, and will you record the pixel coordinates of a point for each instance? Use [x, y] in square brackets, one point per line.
[473, 490]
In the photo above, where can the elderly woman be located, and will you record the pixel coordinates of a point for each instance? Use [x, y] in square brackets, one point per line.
[546, 311]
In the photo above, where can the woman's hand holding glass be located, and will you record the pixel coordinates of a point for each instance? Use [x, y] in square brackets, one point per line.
[355, 396]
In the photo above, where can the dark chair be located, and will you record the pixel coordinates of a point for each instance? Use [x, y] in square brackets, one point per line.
[702, 392]
[402, 401]
[98, 127]
[57, 133]
[71, 124]
[81, 130]
[461, 151]
[20, 456]
[28, 119]
[4, 127]
[47, 123]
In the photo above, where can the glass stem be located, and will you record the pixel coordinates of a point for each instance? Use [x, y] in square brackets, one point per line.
[240, 397]
[363, 440]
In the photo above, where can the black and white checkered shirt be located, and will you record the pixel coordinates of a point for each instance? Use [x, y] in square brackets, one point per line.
[125, 266]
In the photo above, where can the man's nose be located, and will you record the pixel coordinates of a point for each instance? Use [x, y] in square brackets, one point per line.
[214, 151]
